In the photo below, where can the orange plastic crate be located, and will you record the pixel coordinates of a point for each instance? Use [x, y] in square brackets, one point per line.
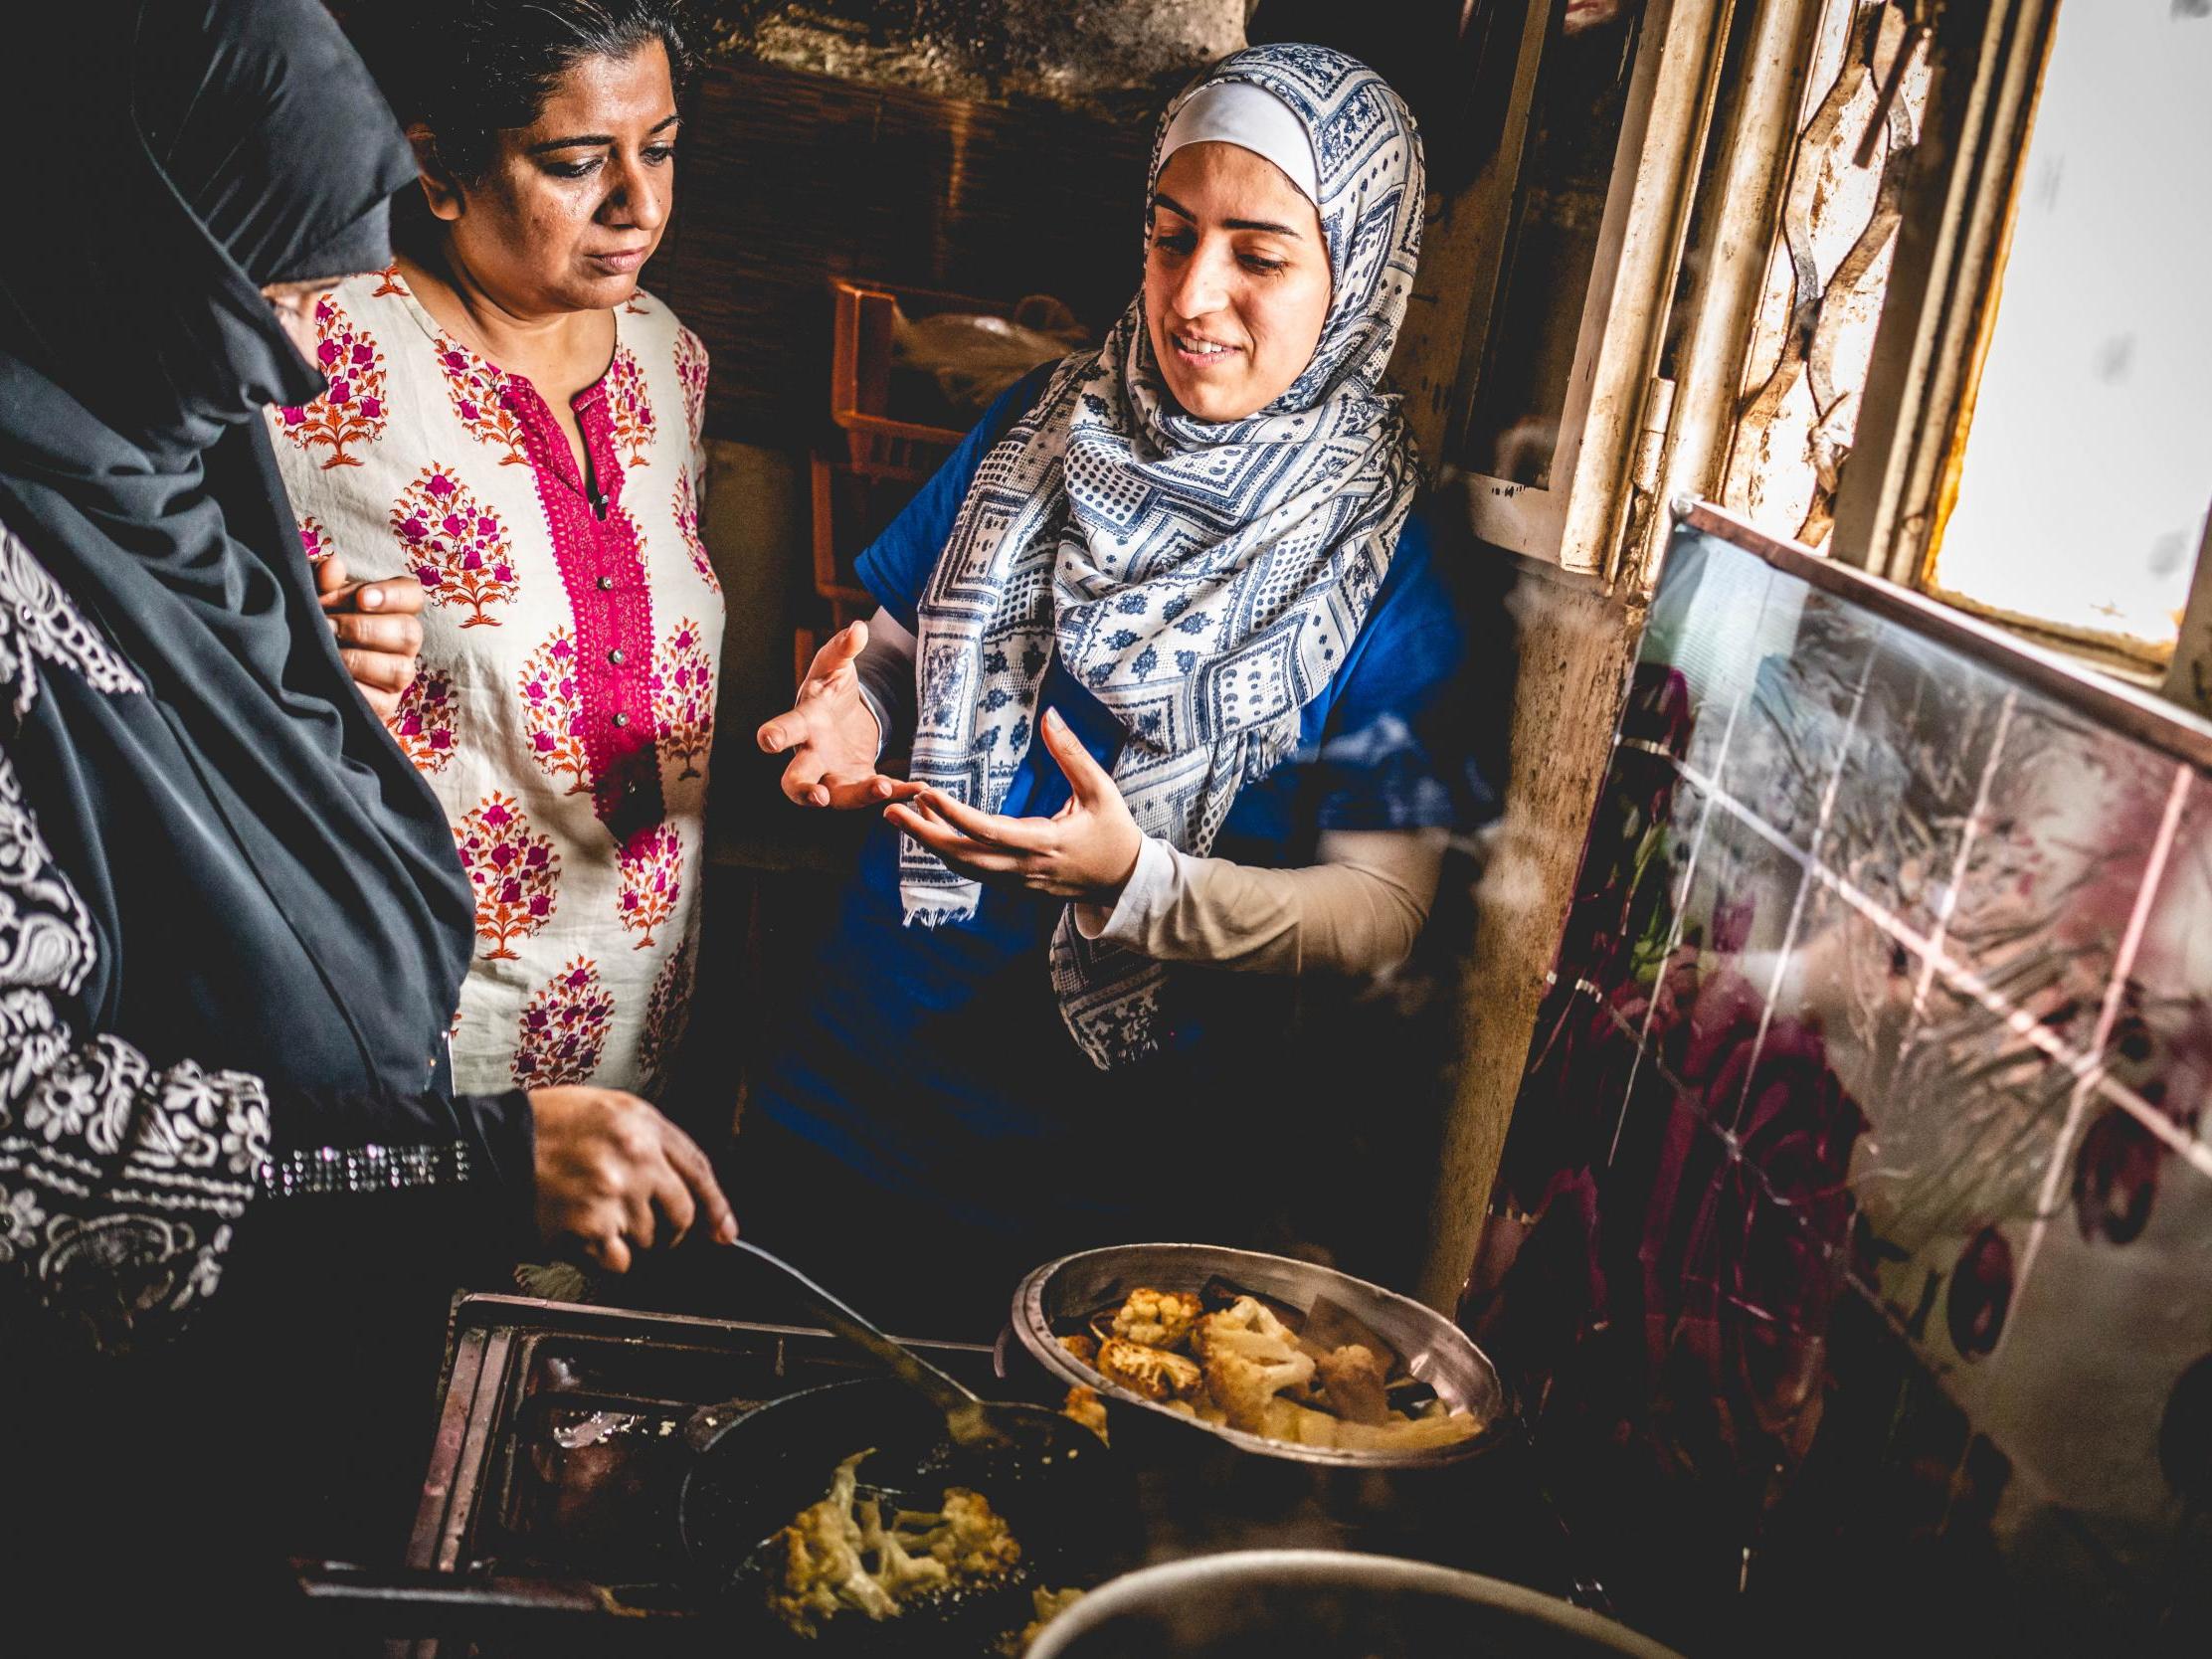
[861, 385]
[851, 506]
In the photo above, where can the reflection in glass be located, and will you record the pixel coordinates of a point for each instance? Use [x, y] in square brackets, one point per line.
[1575, 120]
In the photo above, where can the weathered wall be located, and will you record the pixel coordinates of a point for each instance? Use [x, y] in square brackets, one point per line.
[1116, 56]
[790, 179]
[1576, 642]
[1828, 274]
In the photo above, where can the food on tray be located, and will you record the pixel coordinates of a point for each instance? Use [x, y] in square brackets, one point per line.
[1357, 1383]
[1083, 1346]
[1084, 1407]
[1153, 1372]
[1158, 1318]
[839, 1555]
[1241, 1365]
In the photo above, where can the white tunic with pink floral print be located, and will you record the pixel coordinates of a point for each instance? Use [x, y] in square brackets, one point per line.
[565, 703]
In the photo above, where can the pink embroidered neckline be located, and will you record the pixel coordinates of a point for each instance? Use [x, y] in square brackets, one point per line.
[602, 567]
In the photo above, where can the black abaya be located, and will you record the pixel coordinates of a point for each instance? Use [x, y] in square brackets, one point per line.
[234, 1191]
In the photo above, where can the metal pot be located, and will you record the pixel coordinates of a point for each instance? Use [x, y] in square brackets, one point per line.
[1266, 1602]
[1433, 1348]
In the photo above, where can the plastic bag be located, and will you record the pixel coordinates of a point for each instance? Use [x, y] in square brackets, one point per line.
[974, 358]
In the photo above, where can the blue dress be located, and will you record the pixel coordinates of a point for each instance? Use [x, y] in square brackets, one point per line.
[932, 1065]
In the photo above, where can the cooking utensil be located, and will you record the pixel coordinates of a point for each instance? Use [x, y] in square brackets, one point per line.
[1027, 1439]
[1073, 1532]
[1261, 1604]
[757, 1467]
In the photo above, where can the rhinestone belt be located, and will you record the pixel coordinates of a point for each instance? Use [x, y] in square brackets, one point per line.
[370, 1169]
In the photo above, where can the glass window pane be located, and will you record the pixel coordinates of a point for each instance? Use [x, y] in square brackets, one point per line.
[2087, 465]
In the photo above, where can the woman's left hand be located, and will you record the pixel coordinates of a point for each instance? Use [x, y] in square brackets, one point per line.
[379, 630]
[1084, 851]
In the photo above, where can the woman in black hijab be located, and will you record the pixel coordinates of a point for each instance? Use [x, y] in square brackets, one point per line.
[231, 921]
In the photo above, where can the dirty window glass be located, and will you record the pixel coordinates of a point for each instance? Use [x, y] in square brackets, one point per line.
[2086, 468]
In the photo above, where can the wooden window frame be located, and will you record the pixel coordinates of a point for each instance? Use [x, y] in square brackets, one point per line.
[1578, 523]
[1935, 325]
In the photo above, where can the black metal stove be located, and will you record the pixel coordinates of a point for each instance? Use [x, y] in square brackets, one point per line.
[548, 1515]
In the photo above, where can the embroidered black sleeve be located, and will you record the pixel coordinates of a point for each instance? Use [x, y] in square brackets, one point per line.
[119, 1183]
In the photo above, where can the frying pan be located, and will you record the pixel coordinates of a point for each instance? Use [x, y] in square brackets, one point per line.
[755, 1468]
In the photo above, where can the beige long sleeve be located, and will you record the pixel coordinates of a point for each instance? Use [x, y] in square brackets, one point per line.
[1358, 911]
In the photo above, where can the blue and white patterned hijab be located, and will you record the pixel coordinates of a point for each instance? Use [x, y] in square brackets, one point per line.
[1202, 580]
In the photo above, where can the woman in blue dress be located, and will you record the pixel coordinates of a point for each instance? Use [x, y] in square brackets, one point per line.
[1166, 645]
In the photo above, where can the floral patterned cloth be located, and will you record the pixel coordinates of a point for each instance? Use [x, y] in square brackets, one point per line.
[565, 703]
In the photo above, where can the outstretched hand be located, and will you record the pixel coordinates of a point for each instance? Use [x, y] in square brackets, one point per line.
[830, 734]
[1084, 851]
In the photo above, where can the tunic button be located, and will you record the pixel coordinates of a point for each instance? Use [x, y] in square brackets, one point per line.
[621, 719]
[606, 583]
[616, 656]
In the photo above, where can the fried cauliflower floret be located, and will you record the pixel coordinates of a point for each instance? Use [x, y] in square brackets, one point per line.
[1083, 1346]
[1084, 1407]
[1157, 1318]
[823, 1570]
[1354, 1379]
[1246, 1387]
[968, 1535]
[1246, 1327]
[1152, 1371]
[904, 1575]
[839, 1555]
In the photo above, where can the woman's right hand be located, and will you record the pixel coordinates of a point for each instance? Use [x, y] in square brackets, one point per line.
[830, 734]
[611, 1169]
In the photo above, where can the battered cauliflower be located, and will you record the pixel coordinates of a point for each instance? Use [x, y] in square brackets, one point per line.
[837, 1555]
[1254, 1373]
[1354, 1381]
[968, 1535]
[1157, 1318]
[1245, 1327]
[1152, 1371]
[1083, 1346]
[902, 1574]
[822, 1573]
[1084, 1407]
[1246, 1386]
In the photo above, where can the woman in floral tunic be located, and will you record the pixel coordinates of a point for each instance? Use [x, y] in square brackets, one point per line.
[514, 422]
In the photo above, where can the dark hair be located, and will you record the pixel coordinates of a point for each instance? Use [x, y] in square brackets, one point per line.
[467, 69]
